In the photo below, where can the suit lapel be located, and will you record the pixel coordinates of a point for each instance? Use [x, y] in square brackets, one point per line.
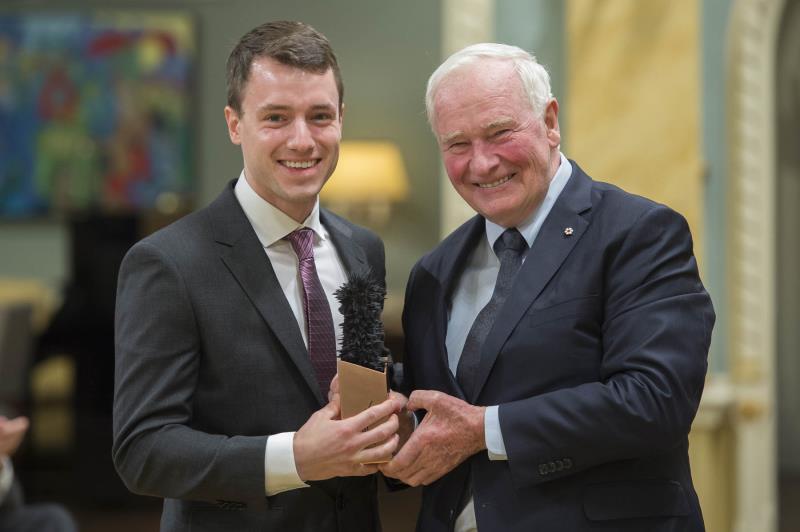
[351, 254]
[244, 256]
[551, 247]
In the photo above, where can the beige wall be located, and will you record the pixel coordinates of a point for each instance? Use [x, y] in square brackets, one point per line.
[633, 119]
[633, 97]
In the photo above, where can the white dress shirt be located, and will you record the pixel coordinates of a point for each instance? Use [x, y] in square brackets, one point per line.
[472, 292]
[271, 225]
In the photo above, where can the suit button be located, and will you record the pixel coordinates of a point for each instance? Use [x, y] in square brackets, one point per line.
[567, 463]
[543, 470]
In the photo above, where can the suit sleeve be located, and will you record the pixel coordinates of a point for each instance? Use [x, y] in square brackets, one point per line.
[655, 339]
[407, 386]
[156, 449]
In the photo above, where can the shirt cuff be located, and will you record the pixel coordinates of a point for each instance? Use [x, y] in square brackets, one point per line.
[279, 467]
[6, 478]
[495, 445]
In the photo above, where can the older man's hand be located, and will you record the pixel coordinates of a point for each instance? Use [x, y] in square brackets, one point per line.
[451, 432]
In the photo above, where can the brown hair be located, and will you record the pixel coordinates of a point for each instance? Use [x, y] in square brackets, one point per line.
[290, 43]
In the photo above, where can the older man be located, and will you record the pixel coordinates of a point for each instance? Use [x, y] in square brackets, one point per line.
[557, 340]
[226, 323]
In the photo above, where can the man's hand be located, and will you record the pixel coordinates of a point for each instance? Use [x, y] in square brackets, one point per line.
[327, 447]
[405, 417]
[451, 432]
[333, 391]
[397, 398]
[12, 431]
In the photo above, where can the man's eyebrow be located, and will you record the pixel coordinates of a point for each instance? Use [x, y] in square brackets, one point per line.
[272, 107]
[499, 123]
[281, 107]
[450, 137]
[323, 107]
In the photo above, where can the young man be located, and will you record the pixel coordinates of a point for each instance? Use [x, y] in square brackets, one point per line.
[226, 323]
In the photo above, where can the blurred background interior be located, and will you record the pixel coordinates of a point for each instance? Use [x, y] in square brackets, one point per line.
[111, 126]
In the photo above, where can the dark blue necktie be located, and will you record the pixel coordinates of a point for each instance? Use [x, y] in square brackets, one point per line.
[510, 248]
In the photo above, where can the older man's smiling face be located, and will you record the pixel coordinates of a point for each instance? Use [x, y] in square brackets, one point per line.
[499, 154]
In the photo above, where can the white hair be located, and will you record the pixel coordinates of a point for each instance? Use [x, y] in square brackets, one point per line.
[535, 79]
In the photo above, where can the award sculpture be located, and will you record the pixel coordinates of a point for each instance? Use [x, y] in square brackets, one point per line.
[363, 361]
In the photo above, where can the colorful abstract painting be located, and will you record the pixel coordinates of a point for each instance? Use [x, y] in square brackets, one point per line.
[94, 112]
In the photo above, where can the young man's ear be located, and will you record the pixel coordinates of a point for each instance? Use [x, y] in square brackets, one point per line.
[232, 119]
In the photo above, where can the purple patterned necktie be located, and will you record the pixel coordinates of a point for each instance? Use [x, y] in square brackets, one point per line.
[319, 323]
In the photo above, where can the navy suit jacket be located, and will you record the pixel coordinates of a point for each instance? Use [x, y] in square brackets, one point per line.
[597, 361]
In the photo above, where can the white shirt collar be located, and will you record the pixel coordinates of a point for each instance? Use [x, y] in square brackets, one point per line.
[270, 223]
[530, 228]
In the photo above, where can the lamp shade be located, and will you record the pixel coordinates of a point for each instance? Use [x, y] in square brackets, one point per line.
[367, 171]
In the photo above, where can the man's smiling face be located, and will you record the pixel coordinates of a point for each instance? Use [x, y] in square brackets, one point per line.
[289, 129]
[499, 154]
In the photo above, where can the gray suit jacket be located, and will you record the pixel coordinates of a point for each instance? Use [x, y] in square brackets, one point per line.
[209, 362]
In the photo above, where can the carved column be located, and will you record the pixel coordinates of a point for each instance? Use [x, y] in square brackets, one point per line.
[751, 236]
[464, 22]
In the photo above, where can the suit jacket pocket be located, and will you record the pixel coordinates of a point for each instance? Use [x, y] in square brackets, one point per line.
[634, 499]
[588, 306]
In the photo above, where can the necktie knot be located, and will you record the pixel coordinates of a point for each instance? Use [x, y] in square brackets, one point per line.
[302, 241]
[510, 240]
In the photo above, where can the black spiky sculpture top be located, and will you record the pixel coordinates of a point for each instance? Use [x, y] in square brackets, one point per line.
[361, 302]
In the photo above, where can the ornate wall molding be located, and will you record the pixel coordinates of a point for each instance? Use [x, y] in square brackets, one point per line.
[752, 38]
[752, 45]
